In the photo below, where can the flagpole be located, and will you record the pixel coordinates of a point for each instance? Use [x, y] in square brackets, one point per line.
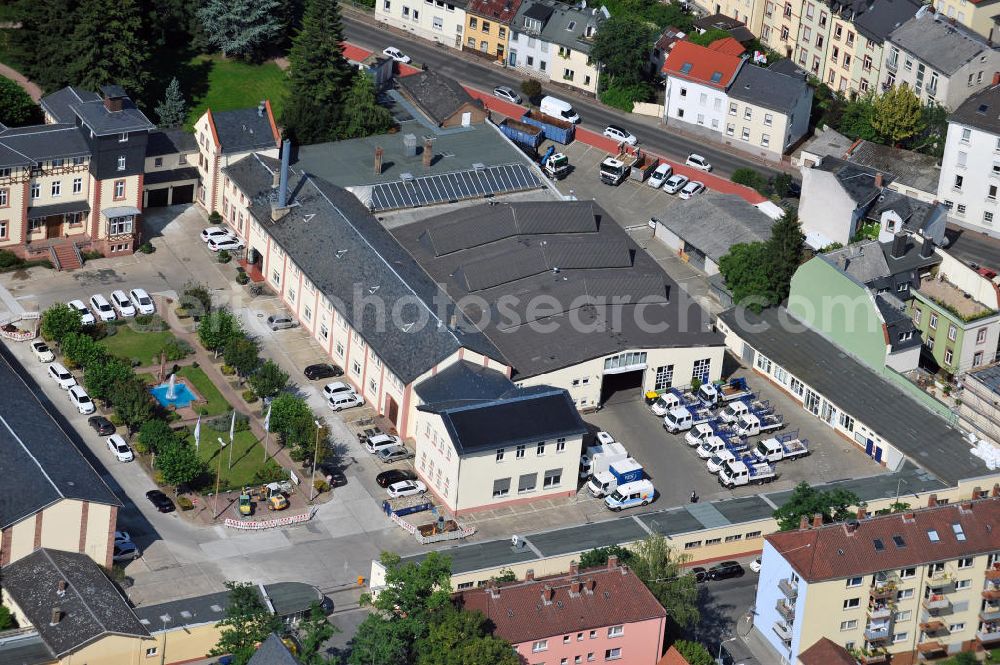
[218, 473]
[232, 426]
[267, 431]
[197, 435]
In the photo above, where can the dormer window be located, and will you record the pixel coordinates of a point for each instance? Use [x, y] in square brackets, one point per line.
[123, 137]
[121, 162]
[532, 25]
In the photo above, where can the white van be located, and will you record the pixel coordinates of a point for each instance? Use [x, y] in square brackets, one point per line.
[637, 493]
[557, 108]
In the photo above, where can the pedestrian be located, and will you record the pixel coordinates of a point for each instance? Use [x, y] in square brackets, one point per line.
[694, 497]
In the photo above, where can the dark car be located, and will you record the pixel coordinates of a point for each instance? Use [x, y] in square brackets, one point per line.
[393, 476]
[322, 371]
[725, 570]
[101, 425]
[700, 574]
[160, 501]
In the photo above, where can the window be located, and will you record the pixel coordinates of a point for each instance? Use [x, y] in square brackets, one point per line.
[952, 331]
[519, 454]
[36, 190]
[851, 624]
[966, 562]
[748, 113]
[907, 573]
[987, 217]
[960, 209]
[966, 135]
[746, 134]
[526, 483]
[150, 652]
[702, 369]
[851, 603]
[324, 331]
[898, 637]
[340, 349]
[3, 228]
[500, 452]
[121, 162]
[540, 645]
[961, 162]
[956, 627]
[613, 654]
[119, 192]
[948, 356]
[372, 387]
[486, 26]
[730, 129]
[616, 631]
[567, 75]
[981, 336]
[977, 358]
[992, 193]
[768, 118]
[501, 487]
[56, 187]
[933, 321]
[473, 23]
[854, 581]
[732, 108]
[664, 377]
[77, 185]
[438, 23]
[765, 140]
[307, 313]
[904, 615]
[540, 448]
[552, 478]
[560, 444]
[963, 584]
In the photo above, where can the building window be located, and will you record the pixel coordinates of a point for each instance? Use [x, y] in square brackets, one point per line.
[540, 448]
[121, 162]
[748, 113]
[36, 190]
[898, 637]
[120, 225]
[664, 377]
[851, 603]
[959, 179]
[932, 321]
[987, 217]
[948, 356]
[500, 454]
[567, 75]
[732, 108]
[977, 358]
[526, 483]
[519, 452]
[473, 23]
[853, 581]
[746, 134]
[907, 573]
[275, 277]
[339, 350]
[56, 187]
[3, 228]
[952, 332]
[966, 133]
[966, 562]
[904, 615]
[981, 336]
[77, 185]
[849, 625]
[847, 422]
[119, 192]
[917, 312]
[150, 652]
[613, 654]
[552, 478]
[765, 140]
[702, 369]
[324, 331]
[501, 487]
[956, 627]
[560, 444]
[730, 129]
[356, 368]
[616, 631]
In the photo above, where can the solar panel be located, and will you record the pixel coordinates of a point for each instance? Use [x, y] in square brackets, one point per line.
[440, 188]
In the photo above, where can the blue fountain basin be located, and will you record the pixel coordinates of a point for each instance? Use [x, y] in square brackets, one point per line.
[182, 395]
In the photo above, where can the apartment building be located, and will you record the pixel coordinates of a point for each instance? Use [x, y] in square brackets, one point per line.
[858, 34]
[781, 24]
[170, 176]
[813, 42]
[979, 411]
[441, 21]
[911, 586]
[488, 26]
[980, 16]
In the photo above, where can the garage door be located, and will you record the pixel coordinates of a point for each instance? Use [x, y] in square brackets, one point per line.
[696, 258]
[621, 387]
[156, 198]
[183, 194]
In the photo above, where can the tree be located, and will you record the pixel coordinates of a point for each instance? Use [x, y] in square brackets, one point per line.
[39, 47]
[834, 505]
[856, 119]
[242, 355]
[784, 252]
[172, 111]
[456, 637]
[60, 320]
[292, 418]
[268, 380]
[6, 618]
[897, 114]
[751, 178]
[314, 631]
[694, 653]
[782, 184]
[531, 88]
[621, 47]
[108, 46]
[599, 557]
[178, 462]
[246, 624]
[216, 328]
[16, 106]
[708, 37]
[100, 378]
[745, 271]
[156, 435]
[132, 402]
[319, 75]
[363, 116]
[660, 570]
[241, 28]
[81, 349]
[378, 642]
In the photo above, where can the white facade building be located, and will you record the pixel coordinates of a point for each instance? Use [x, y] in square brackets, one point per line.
[441, 21]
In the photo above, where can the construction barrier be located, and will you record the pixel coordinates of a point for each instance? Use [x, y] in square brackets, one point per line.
[250, 525]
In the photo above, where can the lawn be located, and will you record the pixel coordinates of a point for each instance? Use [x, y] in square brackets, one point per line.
[222, 85]
[248, 458]
[214, 403]
[144, 346]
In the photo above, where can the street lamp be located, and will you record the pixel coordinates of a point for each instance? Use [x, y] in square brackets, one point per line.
[718, 658]
[165, 618]
[312, 482]
[896, 502]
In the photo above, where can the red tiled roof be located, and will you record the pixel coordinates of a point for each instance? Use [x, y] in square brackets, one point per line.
[702, 65]
[608, 597]
[498, 10]
[826, 652]
[668, 38]
[835, 551]
[727, 45]
[354, 53]
[673, 657]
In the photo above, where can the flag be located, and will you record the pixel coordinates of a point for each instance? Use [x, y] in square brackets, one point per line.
[232, 427]
[267, 419]
[197, 434]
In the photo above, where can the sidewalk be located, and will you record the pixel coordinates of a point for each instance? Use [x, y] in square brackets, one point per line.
[17, 77]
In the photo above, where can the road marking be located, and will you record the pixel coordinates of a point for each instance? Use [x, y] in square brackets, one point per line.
[642, 525]
[768, 501]
[532, 547]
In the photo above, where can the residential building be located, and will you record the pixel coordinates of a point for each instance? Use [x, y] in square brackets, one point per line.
[749, 13]
[483, 443]
[825, 142]
[979, 412]
[595, 614]
[441, 21]
[487, 27]
[941, 61]
[781, 22]
[170, 175]
[442, 99]
[273, 651]
[812, 41]
[970, 166]
[913, 173]
[661, 48]
[979, 16]
[736, 27]
[716, 93]
[909, 586]
[551, 41]
[825, 651]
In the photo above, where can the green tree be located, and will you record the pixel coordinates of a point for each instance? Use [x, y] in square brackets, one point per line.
[100, 378]
[269, 379]
[156, 435]
[834, 505]
[108, 46]
[216, 328]
[314, 631]
[241, 28]
[782, 184]
[856, 119]
[621, 46]
[531, 88]
[60, 320]
[706, 38]
[694, 653]
[751, 178]
[599, 557]
[132, 402]
[625, 97]
[656, 564]
[930, 140]
[784, 253]
[172, 111]
[897, 114]
[40, 46]
[319, 75]
[378, 642]
[456, 637]
[6, 618]
[745, 271]
[363, 116]
[178, 462]
[293, 420]
[966, 658]
[81, 349]
[242, 355]
[196, 298]
[246, 624]
[16, 106]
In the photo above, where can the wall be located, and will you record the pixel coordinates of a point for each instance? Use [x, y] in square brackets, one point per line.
[640, 644]
[966, 344]
[969, 205]
[824, 207]
[584, 74]
[487, 36]
[68, 525]
[437, 461]
[695, 104]
[844, 40]
[773, 569]
[978, 16]
[434, 20]
[780, 26]
[964, 277]
[814, 39]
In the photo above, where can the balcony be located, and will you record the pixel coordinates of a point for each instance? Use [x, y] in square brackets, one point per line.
[932, 650]
[990, 614]
[932, 626]
[790, 590]
[936, 603]
[783, 631]
[989, 634]
[991, 594]
[786, 611]
[877, 633]
[993, 574]
[883, 590]
[879, 611]
[873, 659]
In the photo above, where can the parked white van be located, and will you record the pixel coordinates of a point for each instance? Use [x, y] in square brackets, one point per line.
[557, 108]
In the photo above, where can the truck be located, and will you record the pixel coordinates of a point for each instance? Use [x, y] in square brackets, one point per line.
[600, 457]
[754, 423]
[641, 165]
[555, 164]
[736, 473]
[629, 495]
[554, 129]
[718, 459]
[618, 473]
[784, 446]
[522, 133]
[613, 171]
[715, 444]
[683, 418]
[732, 411]
[671, 399]
[698, 434]
[714, 394]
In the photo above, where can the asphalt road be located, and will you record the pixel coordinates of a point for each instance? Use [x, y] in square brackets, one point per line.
[485, 76]
[973, 247]
[722, 603]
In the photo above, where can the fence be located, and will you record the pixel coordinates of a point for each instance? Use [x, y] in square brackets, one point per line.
[246, 525]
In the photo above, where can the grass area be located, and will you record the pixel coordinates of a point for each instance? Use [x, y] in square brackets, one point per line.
[214, 403]
[248, 458]
[144, 346]
[222, 84]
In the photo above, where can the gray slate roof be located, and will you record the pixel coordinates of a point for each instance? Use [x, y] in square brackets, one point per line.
[58, 208]
[863, 261]
[273, 652]
[59, 103]
[935, 41]
[170, 175]
[170, 142]
[981, 111]
[287, 598]
[909, 168]
[897, 322]
[104, 122]
[884, 16]
[562, 24]
[857, 181]
[826, 141]
[713, 222]
[41, 463]
[41, 142]
[92, 606]
[243, 130]
[921, 217]
[463, 380]
[439, 97]
[326, 221]
[988, 376]
[768, 88]
[921, 435]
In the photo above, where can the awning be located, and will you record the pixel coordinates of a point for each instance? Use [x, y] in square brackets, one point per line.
[58, 209]
[120, 211]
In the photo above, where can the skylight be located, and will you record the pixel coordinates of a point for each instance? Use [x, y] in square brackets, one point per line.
[879, 545]
[716, 77]
[933, 535]
[686, 68]
[899, 541]
[982, 109]
[571, 25]
[959, 531]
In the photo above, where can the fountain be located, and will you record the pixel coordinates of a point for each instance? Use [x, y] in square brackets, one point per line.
[172, 388]
[173, 393]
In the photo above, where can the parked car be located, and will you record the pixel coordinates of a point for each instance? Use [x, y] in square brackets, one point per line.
[396, 54]
[700, 574]
[125, 550]
[230, 244]
[160, 501]
[696, 161]
[42, 351]
[393, 476]
[345, 401]
[61, 376]
[122, 304]
[660, 175]
[755, 565]
[674, 183]
[391, 454]
[378, 441]
[691, 189]
[217, 232]
[102, 308]
[101, 425]
[123, 537]
[120, 449]
[86, 318]
[322, 371]
[620, 134]
[81, 400]
[143, 303]
[507, 93]
[725, 570]
[281, 321]
[406, 488]
[335, 388]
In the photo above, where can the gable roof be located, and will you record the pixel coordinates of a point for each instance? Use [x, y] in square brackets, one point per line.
[768, 89]
[673, 657]
[727, 45]
[699, 64]
[936, 41]
[909, 168]
[714, 222]
[272, 651]
[826, 652]
[502, 11]
[924, 536]
[864, 261]
[857, 181]
[244, 130]
[463, 380]
[91, 605]
[438, 97]
[981, 110]
[563, 24]
[884, 16]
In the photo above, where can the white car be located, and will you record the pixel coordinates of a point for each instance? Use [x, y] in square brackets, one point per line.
[122, 304]
[507, 94]
[142, 302]
[755, 565]
[336, 388]
[61, 376]
[696, 161]
[42, 351]
[102, 308]
[217, 232]
[81, 400]
[692, 188]
[620, 134]
[674, 183]
[230, 244]
[660, 175]
[120, 449]
[342, 401]
[396, 54]
[406, 488]
[86, 318]
[379, 441]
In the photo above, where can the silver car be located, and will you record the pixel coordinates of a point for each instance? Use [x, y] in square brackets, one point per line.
[281, 321]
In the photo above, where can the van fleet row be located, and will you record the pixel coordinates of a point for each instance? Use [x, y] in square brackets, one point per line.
[614, 475]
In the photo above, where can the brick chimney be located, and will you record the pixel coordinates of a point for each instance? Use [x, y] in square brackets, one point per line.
[529, 575]
[114, 97]
[996, 489]
[61, 588]
[548, 593]
[575, 587]
[965, 507]
[862, 513]
[932, 501]
[493, 589]
[589, 585]
[56, 616]
[908, 517]
[996, 78]
[428, 154]
[977, 493]
[574, 567]
[804, 523]
[378, 159]
[817, 521]
[878, 180]
[612, 562]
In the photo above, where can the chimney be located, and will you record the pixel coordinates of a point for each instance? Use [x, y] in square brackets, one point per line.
[977, 493]
[286, 156]
[428, 154]
[574, 568]
[56, 616]
[878, 180]
[965, 507]
[589, 585]
[548, 593]
[851, 527]
[996, 78]
[114, 97]
[817, 520]
[529, 575]
[61, 588]
[927, 249]
[453, 320]
[575, 588]
[996, 489]
[803, 523]
[932, 501]
[898, 245]
[612, 562]
[378, 160]
[261, 107]
[908, 517]
[493, 589]
[862, 513]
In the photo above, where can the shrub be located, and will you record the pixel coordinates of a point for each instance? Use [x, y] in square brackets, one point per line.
[147, 248]
[177, 349]
[532, 88]
[221, 423]
[242, 277]
[321, 485]
[625, 97]
[115, 420]
[751, 178]
[91, 254]
[143, 319]
[249, 396]
[9, 260]
[215, 218]
[182, 312]
[227, 370]
[184, 503]
[197, 298]
[224, 256]
[269, 473]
